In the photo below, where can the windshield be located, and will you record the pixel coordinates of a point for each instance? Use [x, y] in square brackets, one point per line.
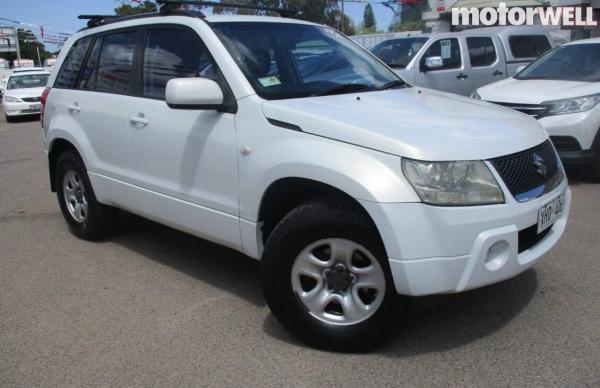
[27, 81]
[285, 60]
[578, 62]
[398, 52]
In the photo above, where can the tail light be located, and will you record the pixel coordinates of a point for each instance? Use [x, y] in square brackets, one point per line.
[45, 94]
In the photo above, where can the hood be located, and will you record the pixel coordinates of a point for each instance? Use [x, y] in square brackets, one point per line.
[414, 122]
[535, 91]
[28, 92]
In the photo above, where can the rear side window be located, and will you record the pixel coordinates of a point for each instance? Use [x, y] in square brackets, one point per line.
[528, 46]
[115, 66]
[173, 53]
[67, 75]
[88, 75]
[481, 51]
[448, 49]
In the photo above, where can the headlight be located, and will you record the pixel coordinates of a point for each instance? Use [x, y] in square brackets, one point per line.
[571, 105]
[462, 183]
[11, 99]
[475, 95]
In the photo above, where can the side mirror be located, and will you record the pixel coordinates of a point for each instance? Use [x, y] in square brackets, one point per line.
[520, 68]
[194, 93]
[433, 63]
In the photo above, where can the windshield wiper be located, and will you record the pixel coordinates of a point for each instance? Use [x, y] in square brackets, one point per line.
[344, 88]
[397, 83]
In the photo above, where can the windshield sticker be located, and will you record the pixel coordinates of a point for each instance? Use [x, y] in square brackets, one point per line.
[445, 45]
[269, 81]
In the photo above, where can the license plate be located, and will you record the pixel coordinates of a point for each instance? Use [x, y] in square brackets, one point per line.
[550, 212]
[35, 107]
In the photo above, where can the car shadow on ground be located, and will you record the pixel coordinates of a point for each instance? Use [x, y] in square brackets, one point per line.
[443, 322]
[221, 267]
[578, 176]
[435, 323]
[20, 119]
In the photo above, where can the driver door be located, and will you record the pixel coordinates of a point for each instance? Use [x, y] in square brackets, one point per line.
[451, 76]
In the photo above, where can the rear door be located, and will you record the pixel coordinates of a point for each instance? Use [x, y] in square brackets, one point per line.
[487, 62]
[95, 105]
[452, 75]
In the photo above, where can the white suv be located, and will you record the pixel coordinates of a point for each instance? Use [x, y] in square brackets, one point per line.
[286, 141]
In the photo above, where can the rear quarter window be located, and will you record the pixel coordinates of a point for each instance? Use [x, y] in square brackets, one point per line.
[528, 46]
[67, 76]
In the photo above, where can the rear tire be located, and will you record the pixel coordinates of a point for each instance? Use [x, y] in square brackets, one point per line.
[87, 218]
[345, 317]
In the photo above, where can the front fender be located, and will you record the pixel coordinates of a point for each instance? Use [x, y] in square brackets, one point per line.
[361, 173]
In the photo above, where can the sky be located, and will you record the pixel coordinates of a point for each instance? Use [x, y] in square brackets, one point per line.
[61, 15]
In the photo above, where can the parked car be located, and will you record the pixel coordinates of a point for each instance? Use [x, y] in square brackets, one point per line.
[352, 187]
[562, 91]
[462, 62]
[23, 93]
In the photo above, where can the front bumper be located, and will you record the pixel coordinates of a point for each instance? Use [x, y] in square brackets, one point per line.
[19, 108]
[436, 250]
[583, 127]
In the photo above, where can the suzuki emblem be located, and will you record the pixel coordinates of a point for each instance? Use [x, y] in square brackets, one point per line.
[539, 163]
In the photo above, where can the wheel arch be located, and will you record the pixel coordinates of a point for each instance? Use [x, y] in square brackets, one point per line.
[284, 194]
[57, 147]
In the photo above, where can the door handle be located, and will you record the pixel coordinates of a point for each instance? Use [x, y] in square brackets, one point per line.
[497, 73]
[462, 76]
[140, 120]
[74, 109]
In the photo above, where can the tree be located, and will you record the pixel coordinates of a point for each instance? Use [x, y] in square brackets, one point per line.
[369, 23]
[126, 9]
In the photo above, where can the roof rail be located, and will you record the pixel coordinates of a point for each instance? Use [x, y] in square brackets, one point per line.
[168, 5]
[100, 20]
[96, 20]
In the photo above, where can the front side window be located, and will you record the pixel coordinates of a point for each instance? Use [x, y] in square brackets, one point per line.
[115, 67]
[398, 52]
[27, 81]
[448, 49]
[577, 62]
[528, 46]
[481, 51]
[288, 60]
[173, 53]
[69, 71]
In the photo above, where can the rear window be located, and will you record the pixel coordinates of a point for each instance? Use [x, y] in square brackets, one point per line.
[115, 67]
[70, 69]
[528, 46]
[481, 51]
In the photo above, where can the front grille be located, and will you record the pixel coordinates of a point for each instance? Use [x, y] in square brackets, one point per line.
[529, 237]
[32, 99]
[565, 143]
[534, 110]
[531, 173]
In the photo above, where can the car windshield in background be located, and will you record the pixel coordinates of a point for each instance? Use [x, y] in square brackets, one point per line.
[398, 52]
[578, 62]
[27, 81]
[285, 60]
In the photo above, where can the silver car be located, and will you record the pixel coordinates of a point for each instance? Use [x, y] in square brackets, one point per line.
[464, 61]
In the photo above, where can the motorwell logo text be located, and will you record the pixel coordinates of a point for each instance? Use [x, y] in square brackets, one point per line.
[516, 16]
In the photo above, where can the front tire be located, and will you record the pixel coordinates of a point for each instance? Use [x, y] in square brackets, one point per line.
[326, 278]
[9, 119]
[87, 218]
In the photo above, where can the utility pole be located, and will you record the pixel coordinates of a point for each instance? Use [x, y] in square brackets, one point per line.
[18, 47]
[38, 53]
[342, 18]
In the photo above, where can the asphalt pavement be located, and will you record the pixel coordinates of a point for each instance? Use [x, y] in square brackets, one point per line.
[154, 306]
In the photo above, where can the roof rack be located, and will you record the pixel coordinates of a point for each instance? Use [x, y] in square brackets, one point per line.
[169, 5]
[100, 20]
